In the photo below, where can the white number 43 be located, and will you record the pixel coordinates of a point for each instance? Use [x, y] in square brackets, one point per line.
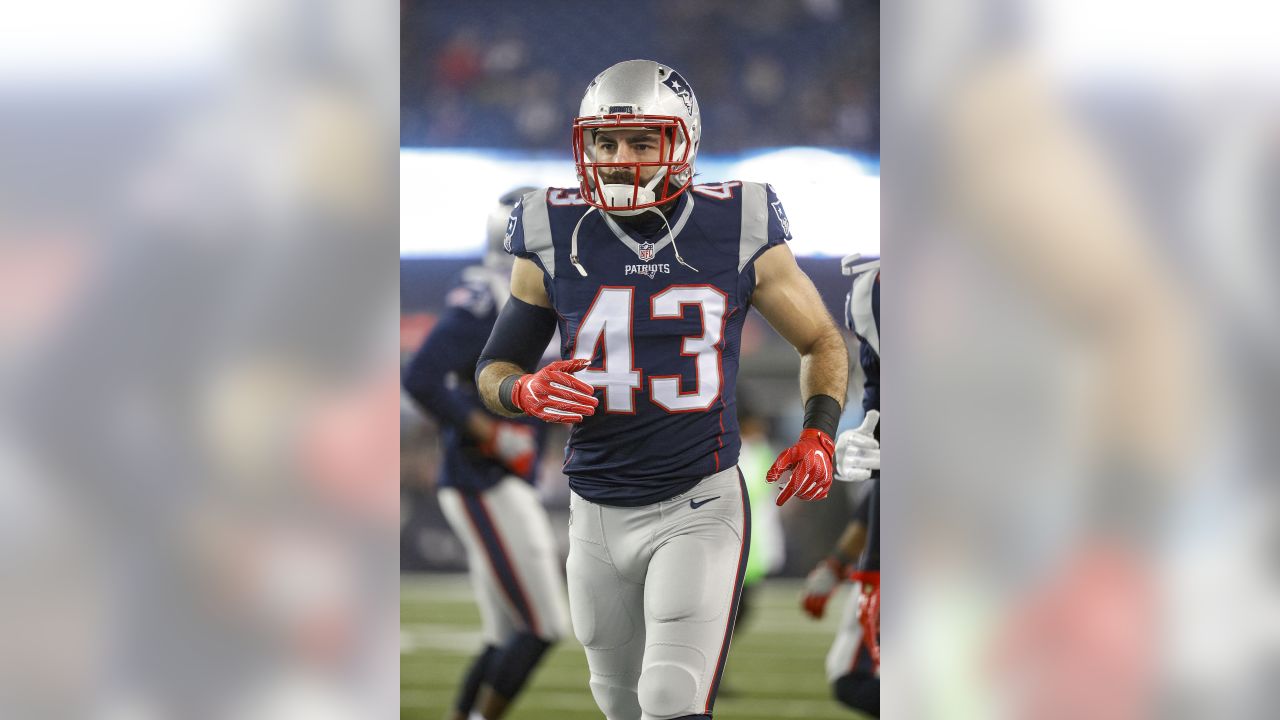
[609, 321]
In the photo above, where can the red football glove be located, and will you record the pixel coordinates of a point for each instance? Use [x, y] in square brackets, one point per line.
[553, 395]
[823, 580]
[869, 611]
[511, 444]
[809, 461]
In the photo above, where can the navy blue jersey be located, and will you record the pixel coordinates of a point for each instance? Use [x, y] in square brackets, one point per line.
[663, 337]
[862, 316]
[440, 377]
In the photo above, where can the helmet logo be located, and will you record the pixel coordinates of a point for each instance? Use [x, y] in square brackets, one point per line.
[681, 88]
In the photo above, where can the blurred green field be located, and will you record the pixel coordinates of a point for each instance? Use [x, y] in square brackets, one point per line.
[775, 667]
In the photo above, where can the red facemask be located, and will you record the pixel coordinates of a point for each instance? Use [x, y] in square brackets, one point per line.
[673, 177]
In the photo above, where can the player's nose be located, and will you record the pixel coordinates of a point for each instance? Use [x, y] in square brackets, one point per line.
[625, 153]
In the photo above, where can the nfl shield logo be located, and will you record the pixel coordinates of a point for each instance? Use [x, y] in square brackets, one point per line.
[646, 252]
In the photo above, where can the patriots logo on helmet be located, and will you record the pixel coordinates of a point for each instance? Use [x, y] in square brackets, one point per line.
[681, 88]
[646, 252]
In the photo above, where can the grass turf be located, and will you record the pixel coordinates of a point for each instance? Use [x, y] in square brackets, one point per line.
[775, 667]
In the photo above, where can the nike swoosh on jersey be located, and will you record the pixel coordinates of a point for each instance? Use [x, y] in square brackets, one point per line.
[695, 504]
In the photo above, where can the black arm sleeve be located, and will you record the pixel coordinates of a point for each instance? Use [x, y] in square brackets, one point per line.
[519, 336]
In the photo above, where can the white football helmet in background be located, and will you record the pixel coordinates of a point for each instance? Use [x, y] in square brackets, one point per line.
[495, 254]
[638, 94]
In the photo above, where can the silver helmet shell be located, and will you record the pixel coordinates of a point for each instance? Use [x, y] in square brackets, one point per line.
[638, 94]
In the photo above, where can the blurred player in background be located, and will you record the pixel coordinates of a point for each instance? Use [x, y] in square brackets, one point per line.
[853, 664]
[768, 542]
[486, 489]
[660, 522]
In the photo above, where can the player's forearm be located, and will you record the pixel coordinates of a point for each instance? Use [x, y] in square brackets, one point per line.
[852, 541]
[824, 369]
[479, 425]
[490, 384]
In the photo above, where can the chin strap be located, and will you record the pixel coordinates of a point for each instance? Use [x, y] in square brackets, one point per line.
[573, 243]
[673, 240]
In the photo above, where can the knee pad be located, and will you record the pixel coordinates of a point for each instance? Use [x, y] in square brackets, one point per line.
[668, 686]
[859, 691]
[617, 703]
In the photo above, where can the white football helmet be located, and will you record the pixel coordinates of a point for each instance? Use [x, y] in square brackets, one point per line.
[496, 228]
[632, 95]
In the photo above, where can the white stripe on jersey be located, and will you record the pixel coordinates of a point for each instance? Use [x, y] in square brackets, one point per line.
[755, 222]
[860, 309]
[537, 228]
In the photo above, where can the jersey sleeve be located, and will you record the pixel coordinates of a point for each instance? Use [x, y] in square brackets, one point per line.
[452, 348]
[529, 231]
[779, 225]
[862, 305]
[764, 222]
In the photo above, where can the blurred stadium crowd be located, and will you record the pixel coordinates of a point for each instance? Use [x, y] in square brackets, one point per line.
[511, 76]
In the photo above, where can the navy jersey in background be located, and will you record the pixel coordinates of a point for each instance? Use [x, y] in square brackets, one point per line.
[663, 336]
[862, 316]
[440, 377]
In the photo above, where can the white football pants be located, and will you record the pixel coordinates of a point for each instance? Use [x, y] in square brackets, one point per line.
[512, 558]
[847, 648]
[653, 592]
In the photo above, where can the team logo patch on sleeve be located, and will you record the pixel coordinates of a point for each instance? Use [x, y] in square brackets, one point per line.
[782, 217]
[511, 230]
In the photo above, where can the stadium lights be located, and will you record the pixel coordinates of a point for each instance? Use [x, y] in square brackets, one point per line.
[832, 198]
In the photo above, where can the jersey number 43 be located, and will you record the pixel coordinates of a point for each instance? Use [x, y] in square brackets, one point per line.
[609, 322]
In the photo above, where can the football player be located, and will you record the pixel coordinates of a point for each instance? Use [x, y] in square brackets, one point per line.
[649, 278]
[853, 664]
[486, 490]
